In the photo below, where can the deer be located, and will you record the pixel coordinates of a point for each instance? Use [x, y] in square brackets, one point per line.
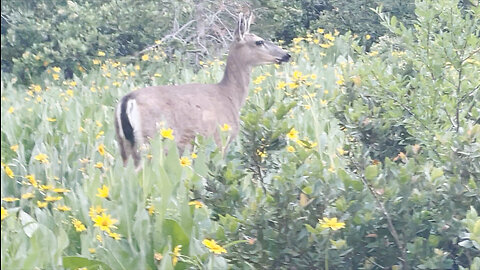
[195, 109]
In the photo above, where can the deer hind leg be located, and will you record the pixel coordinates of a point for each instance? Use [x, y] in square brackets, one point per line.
[127, 149]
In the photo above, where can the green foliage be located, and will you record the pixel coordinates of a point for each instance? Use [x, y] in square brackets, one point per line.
[70, 34]
[346, 160]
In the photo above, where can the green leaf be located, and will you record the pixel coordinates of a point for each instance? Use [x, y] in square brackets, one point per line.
[30, 225]
[371, 172]
[310, 229]
[436, 173]
[74, 262]
[307, 190]
[175, 231]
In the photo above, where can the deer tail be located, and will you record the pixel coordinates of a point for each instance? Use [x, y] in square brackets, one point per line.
[129, 120]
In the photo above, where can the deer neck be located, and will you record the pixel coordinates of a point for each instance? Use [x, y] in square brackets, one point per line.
[236, 80]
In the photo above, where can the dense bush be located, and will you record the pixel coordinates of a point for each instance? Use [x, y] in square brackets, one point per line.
[347, 159]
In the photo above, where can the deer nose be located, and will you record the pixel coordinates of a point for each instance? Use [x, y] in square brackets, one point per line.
[286, 57]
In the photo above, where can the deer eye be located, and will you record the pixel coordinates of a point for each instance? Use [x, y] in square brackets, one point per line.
[259, 42]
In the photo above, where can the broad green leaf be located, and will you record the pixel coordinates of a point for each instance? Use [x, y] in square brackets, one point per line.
[436, 173]
[74, 262]
[371, 172]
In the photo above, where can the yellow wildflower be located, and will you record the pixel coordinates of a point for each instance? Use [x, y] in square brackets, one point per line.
[46, 187]
[42, 158]
[96, 62]
[63, 208]
[281, 85]
[101, 149]
[262, 154]
[290, 149]
[73, 83]
[100, 134]
[79, 227]
[167, 133]
[27, 195]
[151, 209]
[4, 213]
[331, 223]
[55, 76]
[49, 198]
[14, 148]
[193, 156]
[326, 45]
[176, 254]
[60, 190]
[56, 69]
[11, 110]
[225, 127]
[198, 204]
[293, 85]
[185, 161]
[100, 53]
[320, 30]
[35, 87]
[102, 192]
[94, 211]
[213, 246]
[92, 250]
[158, 256]
[115, 236]
[329, 36]
[145, 57]
[297, 40]
[292, 134]
[259, 79]
[8, 171]
[99, 165]
[42, 204]
[367, 37]
[10, 199]
[51, 119]
[104, 222]
[341, 151]
[297, 75]
[70, 92]
[356, 80]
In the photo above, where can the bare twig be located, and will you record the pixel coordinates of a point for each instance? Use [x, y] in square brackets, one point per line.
[387, 216]
[169, 36]
[457, 93]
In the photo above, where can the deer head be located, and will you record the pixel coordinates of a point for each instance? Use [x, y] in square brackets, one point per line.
[254, 50]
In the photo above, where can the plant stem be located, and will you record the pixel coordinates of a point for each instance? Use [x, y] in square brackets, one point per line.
[326, 252]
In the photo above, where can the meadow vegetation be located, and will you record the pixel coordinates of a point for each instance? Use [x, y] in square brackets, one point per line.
[347, 159]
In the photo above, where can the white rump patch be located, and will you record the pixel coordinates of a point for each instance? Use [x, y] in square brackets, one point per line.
[135, 120]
